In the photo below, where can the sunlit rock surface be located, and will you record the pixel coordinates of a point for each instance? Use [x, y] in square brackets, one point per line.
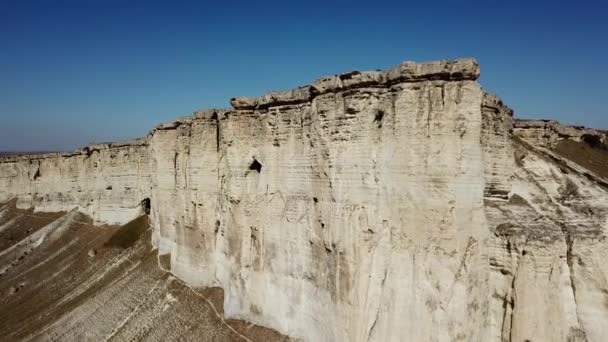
[63, 279]
[404, 205]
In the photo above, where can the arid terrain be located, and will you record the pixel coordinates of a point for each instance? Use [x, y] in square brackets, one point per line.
[64, 279]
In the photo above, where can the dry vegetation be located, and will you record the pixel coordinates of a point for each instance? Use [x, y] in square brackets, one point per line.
[589, 153]
[59, 290]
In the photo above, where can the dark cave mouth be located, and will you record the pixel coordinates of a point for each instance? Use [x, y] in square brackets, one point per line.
[255, 166]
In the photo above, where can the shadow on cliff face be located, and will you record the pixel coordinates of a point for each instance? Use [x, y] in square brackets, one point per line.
[64, 279]
[129, 234]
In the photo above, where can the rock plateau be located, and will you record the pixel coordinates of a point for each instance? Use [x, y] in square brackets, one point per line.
[398, 205]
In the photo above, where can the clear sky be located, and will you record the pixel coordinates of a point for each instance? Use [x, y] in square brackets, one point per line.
[79, 71]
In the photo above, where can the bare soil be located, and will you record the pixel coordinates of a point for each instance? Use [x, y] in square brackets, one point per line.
[53, 288]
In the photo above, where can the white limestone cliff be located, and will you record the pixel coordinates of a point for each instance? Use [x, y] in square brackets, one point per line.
[368, 206]
[106, 181]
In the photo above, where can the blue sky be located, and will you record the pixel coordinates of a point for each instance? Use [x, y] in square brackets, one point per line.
[74, 72]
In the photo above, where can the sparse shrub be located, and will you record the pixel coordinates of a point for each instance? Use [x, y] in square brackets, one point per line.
[594, 141]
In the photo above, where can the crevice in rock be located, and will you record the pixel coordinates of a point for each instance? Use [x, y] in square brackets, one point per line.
[463, 261]
[372, 329]
[146, 205]
[188, 160]
[429, 110]
[492, 192]
[509, 303]
[175, 169]
[378, 117]
[569, 263]
[217, 131]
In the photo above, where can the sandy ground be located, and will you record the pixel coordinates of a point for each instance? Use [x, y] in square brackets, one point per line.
[63, 279]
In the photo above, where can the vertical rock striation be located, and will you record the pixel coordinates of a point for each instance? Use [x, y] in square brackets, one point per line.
[362, 191]
[547, 282]
[367, 206]
[106, 181]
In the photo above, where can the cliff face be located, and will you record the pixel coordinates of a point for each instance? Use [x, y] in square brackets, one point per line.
[64, 279]
[320, 211]
[105, 181]
[368, 206]
[549, 133]
[547, 277]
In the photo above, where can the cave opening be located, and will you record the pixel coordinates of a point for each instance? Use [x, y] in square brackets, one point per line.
[378, 117]
[145, 204]
[255, 166]
[37, 175]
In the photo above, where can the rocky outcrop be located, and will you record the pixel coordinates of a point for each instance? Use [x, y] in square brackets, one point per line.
[496, 142]
[300, 201]
[458, 70]
[545, 251]
[549, 132]
[106, 181]
[367, 206]
[549, 236]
